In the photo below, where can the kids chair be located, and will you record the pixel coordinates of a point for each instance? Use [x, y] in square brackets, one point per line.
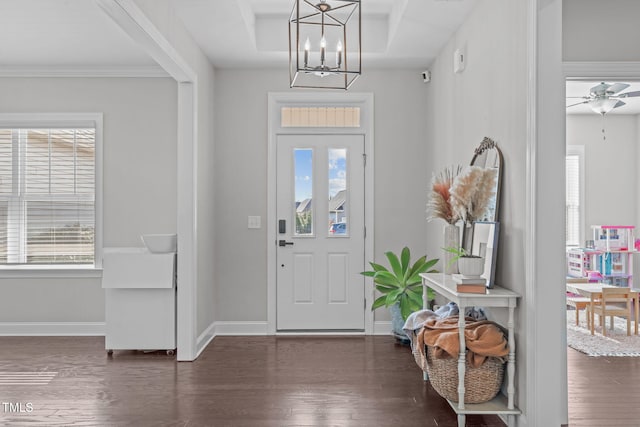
[610, 305]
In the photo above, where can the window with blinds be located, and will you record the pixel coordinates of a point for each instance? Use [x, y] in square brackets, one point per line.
[574, 200]
[47, 195]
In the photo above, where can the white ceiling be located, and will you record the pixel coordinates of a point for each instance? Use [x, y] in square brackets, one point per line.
[50, 35]
[577, 89]
[232, 33]
[63, 33]
[395, 33]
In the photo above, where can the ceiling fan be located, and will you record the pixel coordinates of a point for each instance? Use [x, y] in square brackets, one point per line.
[605, 97]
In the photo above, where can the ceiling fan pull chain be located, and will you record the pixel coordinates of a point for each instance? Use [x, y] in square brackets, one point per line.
[604, 137]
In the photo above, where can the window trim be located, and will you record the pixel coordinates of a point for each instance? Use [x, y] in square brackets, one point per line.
[578, 150]
[57, 120]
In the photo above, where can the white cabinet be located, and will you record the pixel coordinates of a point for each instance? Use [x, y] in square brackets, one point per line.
[444, 285]
[140, 299]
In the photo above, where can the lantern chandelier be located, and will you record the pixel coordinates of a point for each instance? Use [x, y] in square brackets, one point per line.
[324, 44]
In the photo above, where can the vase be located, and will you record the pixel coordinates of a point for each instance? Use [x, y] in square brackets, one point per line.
[451, 240]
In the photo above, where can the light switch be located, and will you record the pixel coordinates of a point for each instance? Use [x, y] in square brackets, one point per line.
[254, 222]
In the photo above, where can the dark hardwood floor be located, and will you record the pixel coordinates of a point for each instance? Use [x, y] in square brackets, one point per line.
[603, 391]
[237, 381]
[265, 381]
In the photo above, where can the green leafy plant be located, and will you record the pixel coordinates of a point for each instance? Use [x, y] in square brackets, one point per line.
[401, 284]
[468, 264]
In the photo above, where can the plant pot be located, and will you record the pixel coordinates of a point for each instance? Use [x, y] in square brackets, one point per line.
[471, 266]
[397, 322]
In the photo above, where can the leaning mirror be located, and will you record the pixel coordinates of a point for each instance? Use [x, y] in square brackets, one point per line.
[485, 244]
[488, 155]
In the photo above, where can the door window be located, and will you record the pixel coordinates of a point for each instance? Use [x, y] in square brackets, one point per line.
[303, 209]
[338, 224]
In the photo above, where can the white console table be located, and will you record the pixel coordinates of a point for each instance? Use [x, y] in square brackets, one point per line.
[444, 285]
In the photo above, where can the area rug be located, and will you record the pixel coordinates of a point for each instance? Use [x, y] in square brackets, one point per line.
[616, 343]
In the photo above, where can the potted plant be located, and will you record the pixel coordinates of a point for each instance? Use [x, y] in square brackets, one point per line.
[468, 265]
[460, 195]
[400, 286]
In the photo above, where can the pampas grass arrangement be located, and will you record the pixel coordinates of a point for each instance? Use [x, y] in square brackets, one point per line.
[471, 193]
[439, 203]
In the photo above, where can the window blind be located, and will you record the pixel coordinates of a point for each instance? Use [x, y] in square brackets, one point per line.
[573, 200]
[47, 195]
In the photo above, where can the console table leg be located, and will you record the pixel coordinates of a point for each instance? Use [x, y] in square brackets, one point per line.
[461, 420]
[511, 360]
[461, 356]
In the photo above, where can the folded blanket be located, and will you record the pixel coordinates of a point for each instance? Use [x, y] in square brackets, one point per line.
[417, 319]
[415, 322]
[483, 339]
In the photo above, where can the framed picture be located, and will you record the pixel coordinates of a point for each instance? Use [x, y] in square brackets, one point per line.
[484, 243]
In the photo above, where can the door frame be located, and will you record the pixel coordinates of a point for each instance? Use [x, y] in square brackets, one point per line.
[277, 100]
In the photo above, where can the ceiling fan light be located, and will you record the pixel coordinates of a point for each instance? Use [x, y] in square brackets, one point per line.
[604, 105]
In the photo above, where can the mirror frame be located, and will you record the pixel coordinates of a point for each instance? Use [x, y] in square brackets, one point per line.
[490, 240]
[489, 144]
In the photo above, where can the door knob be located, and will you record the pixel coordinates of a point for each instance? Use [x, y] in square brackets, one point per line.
[284, 243]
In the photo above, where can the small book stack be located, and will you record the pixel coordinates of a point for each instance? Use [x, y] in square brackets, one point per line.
[470, 284]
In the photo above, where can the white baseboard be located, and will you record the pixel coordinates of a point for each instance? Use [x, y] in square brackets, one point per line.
[240, 328]
[260, 328]
[99, 328]
[205, 338]
[52, 328]
[382, 327]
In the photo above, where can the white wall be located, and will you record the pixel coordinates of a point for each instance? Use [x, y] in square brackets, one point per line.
[596, 30]
[489, 98]
[611, 189]
[545, 269]
[486, 99]
[610, 167]
[161, 14]
[139, 179]
[241, 175]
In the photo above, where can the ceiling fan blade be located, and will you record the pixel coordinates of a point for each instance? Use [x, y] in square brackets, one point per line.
[619, 104]
[629, 94]
[616, 87]
[578, 103]
[600, 89]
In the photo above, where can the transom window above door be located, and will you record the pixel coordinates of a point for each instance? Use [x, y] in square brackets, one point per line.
[335, 117]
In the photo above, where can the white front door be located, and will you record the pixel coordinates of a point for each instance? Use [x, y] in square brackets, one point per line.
[320, 232]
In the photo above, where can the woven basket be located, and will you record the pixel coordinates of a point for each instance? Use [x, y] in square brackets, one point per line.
[481, 384]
